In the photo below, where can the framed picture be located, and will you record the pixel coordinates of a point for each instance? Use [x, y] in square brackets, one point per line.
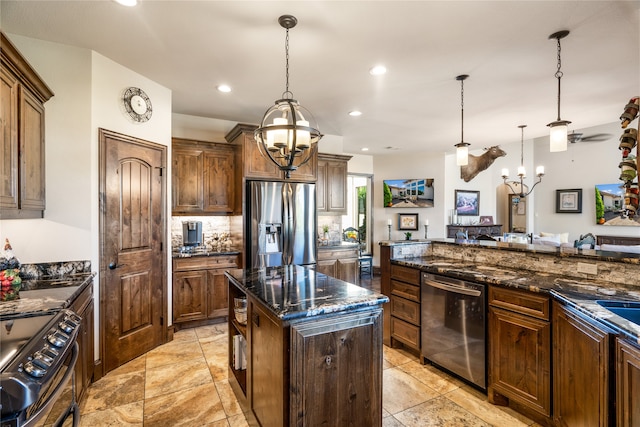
[569, 201]
[468, 202]
[486, 220]
[611, 208]
[408, 193]
[407, 221]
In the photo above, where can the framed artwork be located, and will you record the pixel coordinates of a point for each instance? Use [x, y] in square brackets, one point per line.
[408, 193]
[486, 220]
[468, 202]
[612, 206]
[569, 201]
[407, 221]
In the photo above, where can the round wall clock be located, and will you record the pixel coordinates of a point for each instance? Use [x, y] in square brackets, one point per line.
[137, 104]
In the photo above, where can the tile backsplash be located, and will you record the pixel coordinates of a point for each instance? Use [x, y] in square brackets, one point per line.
[210, 225]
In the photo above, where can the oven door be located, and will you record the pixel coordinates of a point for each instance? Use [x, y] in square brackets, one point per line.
[58, 403]
[453, 326]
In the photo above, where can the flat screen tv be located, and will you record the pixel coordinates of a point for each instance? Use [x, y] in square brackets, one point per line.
[408, 193]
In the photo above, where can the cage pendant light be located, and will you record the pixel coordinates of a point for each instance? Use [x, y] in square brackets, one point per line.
[462, 148]
[558, 128]
[288, 134]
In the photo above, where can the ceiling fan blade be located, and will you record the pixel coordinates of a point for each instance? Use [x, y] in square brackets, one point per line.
[597, 137]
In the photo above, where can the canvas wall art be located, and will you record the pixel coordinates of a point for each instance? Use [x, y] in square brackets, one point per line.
[408, 193]
[610, 208]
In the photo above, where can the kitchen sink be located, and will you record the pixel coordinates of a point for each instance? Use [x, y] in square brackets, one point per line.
[629, 310]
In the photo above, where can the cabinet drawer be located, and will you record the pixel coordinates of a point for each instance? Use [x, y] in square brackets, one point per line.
[405, 290]
[405, 310]
[406, 274]
[205, 263]
[327, 254]
[405, 332]
[527, 303]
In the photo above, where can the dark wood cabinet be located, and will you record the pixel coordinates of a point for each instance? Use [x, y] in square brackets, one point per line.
[203, 178]
[519, 333]
[331, 188]
[253, 165]
[22, 143]
[83, 306]
[200, 288]
[405, 306]
[474, 231]
[627, 384]
[582, 370]
[341, 263]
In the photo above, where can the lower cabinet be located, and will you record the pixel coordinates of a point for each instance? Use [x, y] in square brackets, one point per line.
[627, 384]
[341, 263]
[83, 306]
[404, 303]
[519, 361]
[582, 369]
[200, 288]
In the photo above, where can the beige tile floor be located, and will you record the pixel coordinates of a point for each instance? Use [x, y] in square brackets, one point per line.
[185, 383]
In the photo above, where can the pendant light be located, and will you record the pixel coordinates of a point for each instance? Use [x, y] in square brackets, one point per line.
[559, 128]
[462, 148]
[521, 170]
[285, 135]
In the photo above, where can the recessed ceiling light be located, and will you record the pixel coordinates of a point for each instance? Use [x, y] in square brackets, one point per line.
[355, 113]
[378, 70]
[224, 88]
[364, 149]
[129, 3]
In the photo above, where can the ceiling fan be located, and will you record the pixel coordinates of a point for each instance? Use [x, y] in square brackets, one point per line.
[574, 137]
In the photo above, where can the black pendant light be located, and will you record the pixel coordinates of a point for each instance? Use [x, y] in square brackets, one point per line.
[558, 128]
[462, 148]
[286, 135]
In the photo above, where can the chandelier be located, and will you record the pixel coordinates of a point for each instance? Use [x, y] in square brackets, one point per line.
[558, 128]
[521, 170]
[462, 148]
[285, 135]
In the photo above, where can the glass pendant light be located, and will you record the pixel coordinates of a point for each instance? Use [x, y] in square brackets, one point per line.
[462, 148]
[559, 128]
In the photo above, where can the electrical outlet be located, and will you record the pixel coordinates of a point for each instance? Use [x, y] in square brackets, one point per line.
[585, 268]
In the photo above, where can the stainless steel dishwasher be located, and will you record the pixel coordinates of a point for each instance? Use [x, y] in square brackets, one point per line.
[453, 326]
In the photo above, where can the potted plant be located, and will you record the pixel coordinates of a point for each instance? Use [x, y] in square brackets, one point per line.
[325, 231]
[407, 235]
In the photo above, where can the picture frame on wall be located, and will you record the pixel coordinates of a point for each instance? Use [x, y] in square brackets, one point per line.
[569, 201]
[407, 221]
[467, 203]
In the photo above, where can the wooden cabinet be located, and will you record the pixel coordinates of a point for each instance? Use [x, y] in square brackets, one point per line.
[253, 165]
[341, 263]
[627, 384]
[519, 333]
[203, 178]
[200, 288]
[474, 231]
[22, 136]
[582, 370]
[331, 188]
[83, 306]
[405, 306]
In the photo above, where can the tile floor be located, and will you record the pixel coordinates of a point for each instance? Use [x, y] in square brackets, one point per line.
[184, 383]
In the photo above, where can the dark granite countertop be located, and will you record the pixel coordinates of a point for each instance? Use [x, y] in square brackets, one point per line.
[581, 294]
[46, 294]
[292, 292]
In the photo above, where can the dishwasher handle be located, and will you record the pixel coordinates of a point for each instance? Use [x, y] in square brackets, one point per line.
[458, 289]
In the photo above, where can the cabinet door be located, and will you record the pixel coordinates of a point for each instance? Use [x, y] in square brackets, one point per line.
[186, 186]
[628, 384]
[267, 355]
[9, 141]
[321, 191]
[520, 359]
[336, 188]
[189, 295]
[217, 294]
[255, 164]
[336, 371]
[328, 267]
[85, 363]
[307, 172]
[581, 369]
[218, 178]
[348, 270]
[32, 174]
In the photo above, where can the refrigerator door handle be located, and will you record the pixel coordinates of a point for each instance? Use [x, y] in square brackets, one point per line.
[287, 226]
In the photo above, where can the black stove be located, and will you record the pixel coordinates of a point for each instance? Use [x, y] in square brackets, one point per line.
[37, 359]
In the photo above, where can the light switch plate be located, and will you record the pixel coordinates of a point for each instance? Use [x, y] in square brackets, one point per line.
[585, 268]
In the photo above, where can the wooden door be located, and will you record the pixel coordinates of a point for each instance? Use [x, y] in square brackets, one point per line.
[189, 295]
[628, 384]
[186, 185]
[132, 255]
[217, 294]
[218, 179]
[32, 175]
[336, 188]
[8, 140]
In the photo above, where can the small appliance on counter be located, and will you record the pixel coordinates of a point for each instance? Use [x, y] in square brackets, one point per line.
[192, 233]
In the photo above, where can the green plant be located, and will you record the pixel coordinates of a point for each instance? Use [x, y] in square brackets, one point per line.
[599, 206]
[388, 196]
[407, 235]
[325, 228]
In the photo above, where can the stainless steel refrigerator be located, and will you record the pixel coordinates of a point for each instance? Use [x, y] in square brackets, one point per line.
[280, 224]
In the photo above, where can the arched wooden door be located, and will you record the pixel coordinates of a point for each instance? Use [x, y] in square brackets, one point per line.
[132, 257]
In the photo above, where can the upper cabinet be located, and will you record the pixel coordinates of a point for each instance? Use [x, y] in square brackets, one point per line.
[22, 156]
[331, 188]
[255, 166]
[203, 178]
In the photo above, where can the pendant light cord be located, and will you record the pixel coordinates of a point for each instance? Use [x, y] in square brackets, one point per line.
[287, 94]
[522, 145]
[462, 110]
[559, 75]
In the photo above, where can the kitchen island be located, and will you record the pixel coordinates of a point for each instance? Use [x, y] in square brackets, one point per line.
[313, 348]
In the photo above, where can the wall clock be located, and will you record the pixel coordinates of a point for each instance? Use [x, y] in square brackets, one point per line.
[137, 104]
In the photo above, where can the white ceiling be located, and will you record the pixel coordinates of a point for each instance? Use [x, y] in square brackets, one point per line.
[192, 46]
